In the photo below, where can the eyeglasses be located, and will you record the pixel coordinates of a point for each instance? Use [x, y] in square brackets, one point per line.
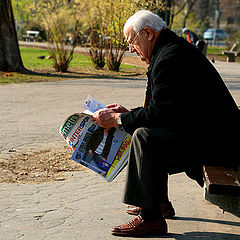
[134, 39]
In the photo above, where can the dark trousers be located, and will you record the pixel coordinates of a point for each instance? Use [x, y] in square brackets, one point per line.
[154, 153]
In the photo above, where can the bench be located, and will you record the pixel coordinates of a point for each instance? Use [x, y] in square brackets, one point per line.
[220, 180]
[222, 188]
[232, 54]
[32, 36]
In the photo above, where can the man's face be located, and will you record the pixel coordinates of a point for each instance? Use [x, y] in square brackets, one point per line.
[139, 43]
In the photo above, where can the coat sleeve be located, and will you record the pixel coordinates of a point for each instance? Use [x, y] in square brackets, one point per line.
[162, 108]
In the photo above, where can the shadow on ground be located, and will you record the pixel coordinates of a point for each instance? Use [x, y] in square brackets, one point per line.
[80, 75]
[202, 235]
[208, 221]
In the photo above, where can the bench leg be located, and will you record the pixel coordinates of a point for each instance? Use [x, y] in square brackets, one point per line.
[231, 58]
[226, 203]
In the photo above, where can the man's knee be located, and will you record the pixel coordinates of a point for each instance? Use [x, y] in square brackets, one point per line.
[156, 135]
[140, 134]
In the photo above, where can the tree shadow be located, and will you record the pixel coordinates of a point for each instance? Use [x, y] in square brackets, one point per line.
[83, 75]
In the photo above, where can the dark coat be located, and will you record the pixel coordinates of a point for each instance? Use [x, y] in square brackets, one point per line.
[96, 139]
[189, 96]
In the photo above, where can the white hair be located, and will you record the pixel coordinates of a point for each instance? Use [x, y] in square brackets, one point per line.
[142, 19]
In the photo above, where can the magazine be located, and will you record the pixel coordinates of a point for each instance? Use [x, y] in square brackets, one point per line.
[103, 151]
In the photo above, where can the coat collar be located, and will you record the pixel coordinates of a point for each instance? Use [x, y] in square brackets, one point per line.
[164, 37]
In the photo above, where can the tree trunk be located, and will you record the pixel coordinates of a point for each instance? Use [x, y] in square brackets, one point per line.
[10, 58]
[188, 10]
[165, 12]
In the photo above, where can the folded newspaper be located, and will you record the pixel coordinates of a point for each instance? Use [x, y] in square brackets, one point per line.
[103, 151]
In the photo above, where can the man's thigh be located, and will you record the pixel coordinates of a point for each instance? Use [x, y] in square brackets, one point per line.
[166, 147]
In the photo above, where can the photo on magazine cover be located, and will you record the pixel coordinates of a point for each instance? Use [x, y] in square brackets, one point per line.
[98, 148]
[105, 152]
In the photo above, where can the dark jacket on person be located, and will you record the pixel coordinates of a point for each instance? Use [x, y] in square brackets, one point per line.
[97, 138]
[192, 38]
[189, 96]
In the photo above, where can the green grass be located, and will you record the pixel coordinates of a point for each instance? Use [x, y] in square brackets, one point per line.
[215, 50]
[80, 67]
[31, 60]
[7, 78]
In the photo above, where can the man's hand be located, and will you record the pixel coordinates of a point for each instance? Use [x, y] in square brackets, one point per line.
[117, 108]
[106, 118]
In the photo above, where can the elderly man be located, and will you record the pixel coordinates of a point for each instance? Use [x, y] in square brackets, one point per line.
[189, 119]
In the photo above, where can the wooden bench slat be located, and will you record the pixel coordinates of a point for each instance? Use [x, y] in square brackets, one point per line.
[220, 180]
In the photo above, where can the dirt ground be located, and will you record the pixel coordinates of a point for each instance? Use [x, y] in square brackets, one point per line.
[37, 167]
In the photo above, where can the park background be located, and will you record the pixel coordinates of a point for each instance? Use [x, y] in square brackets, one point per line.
[95, 30]
[44, 194]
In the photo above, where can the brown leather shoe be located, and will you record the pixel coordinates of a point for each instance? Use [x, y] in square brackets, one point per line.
[167, 210]
[138, 227]
[133, 210]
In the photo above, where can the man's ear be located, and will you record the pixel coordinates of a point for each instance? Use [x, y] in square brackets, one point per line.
[149, 33]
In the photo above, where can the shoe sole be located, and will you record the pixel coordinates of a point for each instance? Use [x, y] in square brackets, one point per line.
[133, 213]
[157, 233]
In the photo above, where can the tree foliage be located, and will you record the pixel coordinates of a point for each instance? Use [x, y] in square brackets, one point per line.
[107, 19]
[111, 16]
[23, 16]
[58, 19]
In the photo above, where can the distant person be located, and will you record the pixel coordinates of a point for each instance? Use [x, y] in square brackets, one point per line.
[193, 39]
[191, 36]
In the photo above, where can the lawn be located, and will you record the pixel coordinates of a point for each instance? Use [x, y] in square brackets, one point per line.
[36, 60]
[215, 50]
[31, 59]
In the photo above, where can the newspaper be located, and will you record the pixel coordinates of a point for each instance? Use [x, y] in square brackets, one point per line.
[103, 151]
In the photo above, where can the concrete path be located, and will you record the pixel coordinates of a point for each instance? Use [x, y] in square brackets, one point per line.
[85, 206]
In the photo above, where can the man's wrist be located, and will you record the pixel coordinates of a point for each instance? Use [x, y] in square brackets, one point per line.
[119, 120]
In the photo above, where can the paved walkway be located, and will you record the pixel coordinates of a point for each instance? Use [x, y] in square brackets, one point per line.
[85, 206]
